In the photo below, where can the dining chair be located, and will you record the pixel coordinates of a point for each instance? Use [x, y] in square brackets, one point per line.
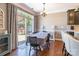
[48, 40]
[33, 43]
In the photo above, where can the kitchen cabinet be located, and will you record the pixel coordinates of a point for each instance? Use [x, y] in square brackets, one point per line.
[73, 17]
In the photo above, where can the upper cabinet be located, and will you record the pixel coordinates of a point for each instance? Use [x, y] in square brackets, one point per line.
[73, 17]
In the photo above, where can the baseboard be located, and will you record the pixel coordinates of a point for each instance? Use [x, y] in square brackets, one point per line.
[56, 39]
[10, 52]
[14, 49]
[51, 39]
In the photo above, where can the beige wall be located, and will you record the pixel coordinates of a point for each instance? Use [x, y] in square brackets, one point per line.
[76, 28]
[3, 7]
[52, 19]
[35, 23]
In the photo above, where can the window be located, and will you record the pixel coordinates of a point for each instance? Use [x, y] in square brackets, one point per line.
[24, 24]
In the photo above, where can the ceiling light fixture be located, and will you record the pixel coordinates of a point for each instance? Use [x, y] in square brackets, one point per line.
[43, 13]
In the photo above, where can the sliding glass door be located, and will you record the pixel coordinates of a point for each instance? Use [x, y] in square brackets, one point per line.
[24, 24]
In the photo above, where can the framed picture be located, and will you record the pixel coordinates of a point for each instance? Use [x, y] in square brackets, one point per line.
[1, 19]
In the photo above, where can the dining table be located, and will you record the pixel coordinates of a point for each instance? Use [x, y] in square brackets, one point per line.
[41, 37]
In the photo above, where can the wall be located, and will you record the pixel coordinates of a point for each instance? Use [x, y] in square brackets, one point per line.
[35, 23]
[76, 28]
[52, 20]
[3, 7]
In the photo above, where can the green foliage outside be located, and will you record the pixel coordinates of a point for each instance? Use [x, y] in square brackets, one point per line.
[21, 23]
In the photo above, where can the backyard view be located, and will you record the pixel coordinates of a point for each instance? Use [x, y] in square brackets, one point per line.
[24, 25]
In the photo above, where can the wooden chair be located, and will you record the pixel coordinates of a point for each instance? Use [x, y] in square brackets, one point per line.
[33, 43]
[48, 40]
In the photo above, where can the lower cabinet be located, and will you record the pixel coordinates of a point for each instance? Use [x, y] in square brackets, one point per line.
[4, 44]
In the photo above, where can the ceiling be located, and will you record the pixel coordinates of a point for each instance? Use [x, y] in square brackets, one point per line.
[52, 7]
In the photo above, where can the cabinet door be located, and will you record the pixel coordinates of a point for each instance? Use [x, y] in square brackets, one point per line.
[76, 18]
[71, 17]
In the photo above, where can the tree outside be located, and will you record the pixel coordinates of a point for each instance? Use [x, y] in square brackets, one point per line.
[21, 16]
